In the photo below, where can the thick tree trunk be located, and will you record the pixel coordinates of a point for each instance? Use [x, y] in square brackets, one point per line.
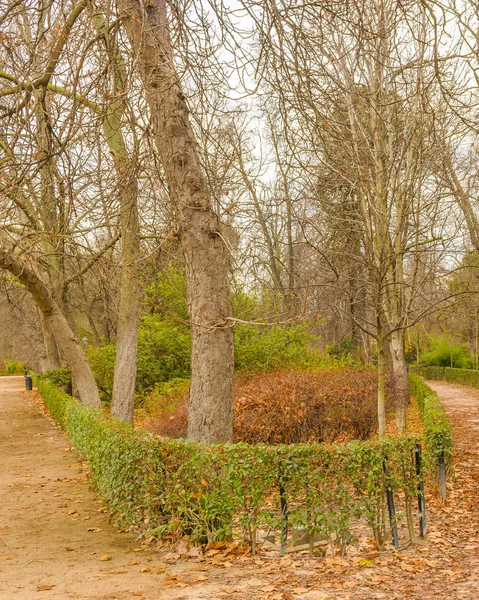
[82, 375]
[400, 382]
[209, 298]
[124, 382]
[52, 358]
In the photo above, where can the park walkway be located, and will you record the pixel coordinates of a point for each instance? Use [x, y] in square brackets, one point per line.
[56, 540]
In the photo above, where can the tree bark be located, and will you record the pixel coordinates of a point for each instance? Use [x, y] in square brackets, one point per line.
[52, 358]
[82, 376]
[124, 382]
[381, 383]
[209, 298]
[400, 381]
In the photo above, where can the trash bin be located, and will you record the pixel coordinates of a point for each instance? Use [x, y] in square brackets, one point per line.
[28, 383]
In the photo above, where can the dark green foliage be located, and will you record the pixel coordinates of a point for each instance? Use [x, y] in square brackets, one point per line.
[102, 363]
[164, 350]
[61, 378]
[209, 493]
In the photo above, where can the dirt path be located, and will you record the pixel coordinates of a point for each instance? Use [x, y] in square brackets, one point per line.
[54, 532]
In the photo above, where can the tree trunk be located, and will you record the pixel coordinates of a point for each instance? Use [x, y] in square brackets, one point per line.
[124, 382]
[381, 385]
[400, 382]
[82, 376]
[52, 358]
[209, 299]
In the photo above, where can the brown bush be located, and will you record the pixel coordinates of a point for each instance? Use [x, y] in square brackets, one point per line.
[292, 406]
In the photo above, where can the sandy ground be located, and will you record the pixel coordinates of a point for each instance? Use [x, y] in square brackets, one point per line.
[56, 540]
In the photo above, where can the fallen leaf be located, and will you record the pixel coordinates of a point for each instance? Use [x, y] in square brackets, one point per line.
[105, 557]
[171, 557]
[44, 587]
[145, 569]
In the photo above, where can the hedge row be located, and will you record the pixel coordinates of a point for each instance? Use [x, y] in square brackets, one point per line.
[169, 486]
[462, 376]
[437, 429]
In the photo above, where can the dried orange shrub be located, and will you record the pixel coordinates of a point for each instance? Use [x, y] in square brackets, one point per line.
[285, 407]
[291, 407]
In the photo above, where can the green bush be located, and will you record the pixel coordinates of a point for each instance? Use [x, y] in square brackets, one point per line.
[214, 492]
[447, 355]
[102, 363]
[61, 378]
[12, 367]
[164, 352]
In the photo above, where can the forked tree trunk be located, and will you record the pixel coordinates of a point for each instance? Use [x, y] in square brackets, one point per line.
[209, 298]
[400, 383]
[82, 376]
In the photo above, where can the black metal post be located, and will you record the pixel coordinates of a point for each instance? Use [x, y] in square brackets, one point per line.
[441, 468]
[28, 383]
[284, 514]
[25, 372]
[421, 501]
[391, 509]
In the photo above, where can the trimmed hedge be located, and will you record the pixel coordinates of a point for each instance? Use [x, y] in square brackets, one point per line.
[432, 373]
[462, 376]
[437, 429]
[169, 486]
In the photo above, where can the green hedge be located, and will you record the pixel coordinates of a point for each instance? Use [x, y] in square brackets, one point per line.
[432, 373]
[462, 376]
[213, 492]
[437, 429]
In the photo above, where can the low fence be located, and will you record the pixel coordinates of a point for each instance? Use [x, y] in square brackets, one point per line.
[253, 492]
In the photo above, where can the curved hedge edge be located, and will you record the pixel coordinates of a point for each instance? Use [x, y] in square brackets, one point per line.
[167, 486]
[437, 429]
